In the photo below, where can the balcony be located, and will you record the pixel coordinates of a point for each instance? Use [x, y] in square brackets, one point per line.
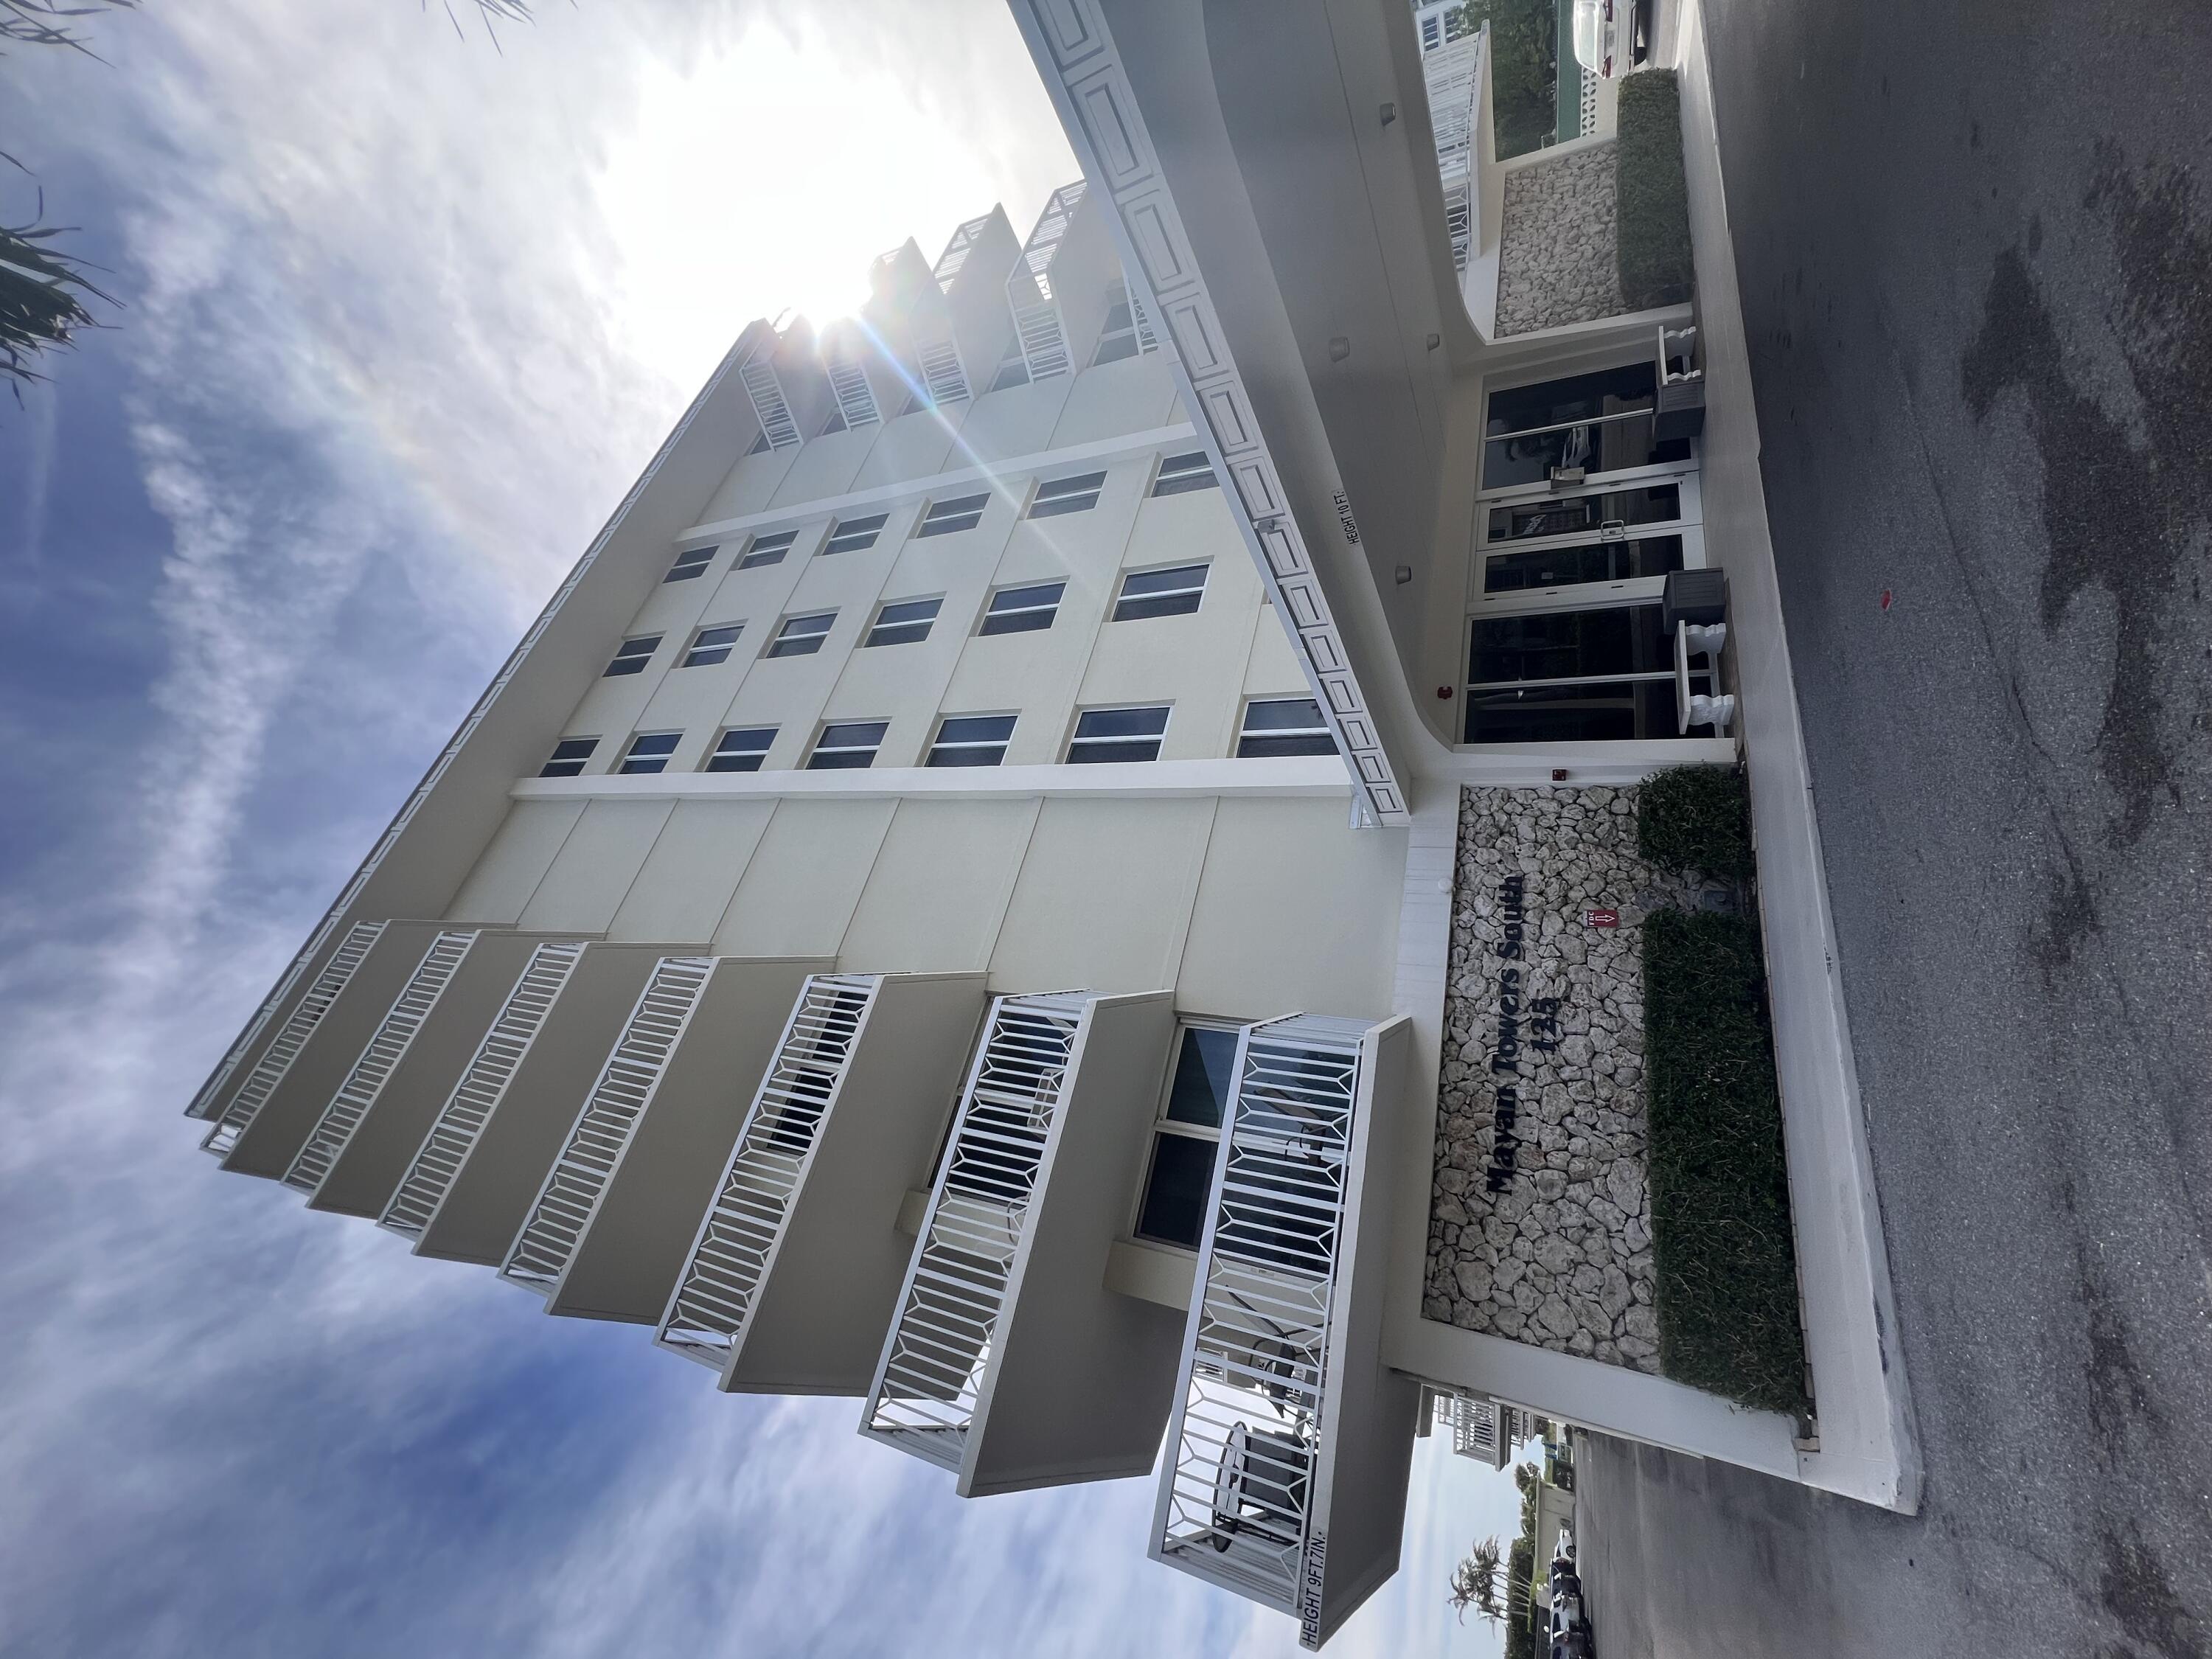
[791, 1282]
[607, 1235]
[1457, 74]
[1035, 294]
[1289, 1445]
[476, 1170]
[358, 1094]
[291, 1038]
[484, 1081]
[1009, 1362]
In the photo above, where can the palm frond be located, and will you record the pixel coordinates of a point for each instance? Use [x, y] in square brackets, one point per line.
[42, 295]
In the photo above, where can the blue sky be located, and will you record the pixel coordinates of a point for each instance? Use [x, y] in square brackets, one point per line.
[402, 314]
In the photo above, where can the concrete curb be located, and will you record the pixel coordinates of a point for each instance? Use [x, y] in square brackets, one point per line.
[1869, 1445]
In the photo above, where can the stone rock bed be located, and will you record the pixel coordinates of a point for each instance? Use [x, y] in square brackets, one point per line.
[1562, 1257]
[1556, 257]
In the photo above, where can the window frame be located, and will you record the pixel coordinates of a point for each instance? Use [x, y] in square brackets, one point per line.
[1157, 739]
[904, 627]
[1247, 733]
[939, 743]
[1072, 492]
[815, 749]
[701, 655]
[1183, 482]
[1051, 611]
[968, 509]
[805, 643]
[719, 751]
[869, 529]
[632, 656]
[691, 562]
[1123, 598]
[555, 758]
[1163, 1125]
[642, 762]
[761, 551]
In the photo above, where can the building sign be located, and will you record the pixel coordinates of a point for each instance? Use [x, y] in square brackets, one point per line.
[1536, 1019]
[1316, 1560]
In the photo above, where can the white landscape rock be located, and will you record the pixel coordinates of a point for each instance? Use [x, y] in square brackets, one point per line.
[1562, 1257]
[1557, 258]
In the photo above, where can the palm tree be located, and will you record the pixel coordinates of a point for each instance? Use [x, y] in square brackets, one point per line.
[1475, 1582]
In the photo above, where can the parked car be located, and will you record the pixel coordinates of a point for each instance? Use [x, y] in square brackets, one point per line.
[1605, 36]
[1567, 1605]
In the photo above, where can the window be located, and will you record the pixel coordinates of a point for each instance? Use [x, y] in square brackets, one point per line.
[650, 751]
[1013, 371]
[1077, 494]
[634, 655]
[1160, 592]
[568, 758]
[1284, 726]
[853, 535]
[906, 623]
[768, 549]
[1187, 1137]
[742, 749]
[1592, 562]
[1117, 734]
[971, 741]
[1591, 424]
[960, 512]
[692, 562]
[711, 645]
[1022, 610]
[847, 746]
[1573, 675]
[1179, 473]
[801, 636]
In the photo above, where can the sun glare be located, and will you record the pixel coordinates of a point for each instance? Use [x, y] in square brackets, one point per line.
[765, 180]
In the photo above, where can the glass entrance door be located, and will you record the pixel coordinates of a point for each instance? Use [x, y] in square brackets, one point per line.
[1594, 673]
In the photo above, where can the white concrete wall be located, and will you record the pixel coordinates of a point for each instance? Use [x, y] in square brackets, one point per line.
[1248, 906]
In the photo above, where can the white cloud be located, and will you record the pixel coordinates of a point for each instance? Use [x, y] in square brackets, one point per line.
[405, 316]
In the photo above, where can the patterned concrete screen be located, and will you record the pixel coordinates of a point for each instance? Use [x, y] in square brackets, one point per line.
[1540, 1224]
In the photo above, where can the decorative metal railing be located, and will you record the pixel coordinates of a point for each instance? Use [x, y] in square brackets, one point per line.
[484, 1081]
[1037, 322]
[927, 1383]
[542, 1250]
[1237, 1498]
[957, 250]
[738, 1239]
[299, 1025]
[943, 375]
[766, 390]
[1453, 73]
[848, 380]
[1475, 1425]
[395, 1035]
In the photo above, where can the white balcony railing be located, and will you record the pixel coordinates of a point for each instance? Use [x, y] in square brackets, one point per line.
[542, 1250]
[484, 1081]
[843, 355]
[1239, 1504]
[1453, 76]
[285, 1047]
[957, 250]
[927, 1384]
[736, 1241]
[765, 387]
[1029, 291]
[395, 1034]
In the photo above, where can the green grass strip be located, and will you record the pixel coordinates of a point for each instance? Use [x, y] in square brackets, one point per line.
[1696, 820]
[1652, 198]
[1727, 1272]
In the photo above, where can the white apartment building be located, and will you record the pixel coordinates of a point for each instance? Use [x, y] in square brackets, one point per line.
[923, 914]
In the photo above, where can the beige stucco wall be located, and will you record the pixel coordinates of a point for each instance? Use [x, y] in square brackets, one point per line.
[1247, 906]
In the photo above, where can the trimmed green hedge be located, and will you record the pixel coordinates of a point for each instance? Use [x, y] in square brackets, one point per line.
[1651, 197]
[1727, 1270]
[1696, 819]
